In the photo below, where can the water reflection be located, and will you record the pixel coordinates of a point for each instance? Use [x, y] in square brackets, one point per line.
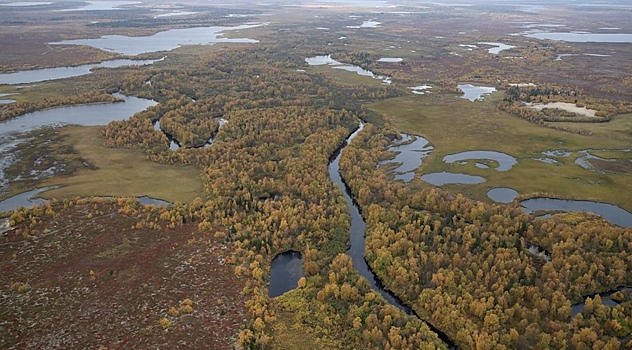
[475, 93]
[285, 271]
[505, 161]
[161, 41]
[38, 75]
[411, 151]
[25, 199]
[446, 178]
[582, 37]
[502, 194]
[327, 60]
[12, 131]
[498, 47]
[612, 213]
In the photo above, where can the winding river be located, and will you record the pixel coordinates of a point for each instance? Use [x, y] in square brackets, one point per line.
[357, 232]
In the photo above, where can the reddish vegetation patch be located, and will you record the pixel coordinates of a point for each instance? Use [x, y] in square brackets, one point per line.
[31, 51]
[94, 282]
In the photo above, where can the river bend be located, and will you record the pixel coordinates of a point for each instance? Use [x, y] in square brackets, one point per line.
[357, 232]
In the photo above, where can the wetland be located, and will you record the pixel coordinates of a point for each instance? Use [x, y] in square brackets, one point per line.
[483, 201]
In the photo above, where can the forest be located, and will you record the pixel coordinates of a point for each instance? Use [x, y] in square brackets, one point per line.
[466, 268]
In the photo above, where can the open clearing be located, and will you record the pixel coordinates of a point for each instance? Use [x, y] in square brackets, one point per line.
[121, 172]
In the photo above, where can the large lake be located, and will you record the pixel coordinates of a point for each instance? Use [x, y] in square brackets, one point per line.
[12, 132]
[162, 41]
[583, 37]
[86, 115]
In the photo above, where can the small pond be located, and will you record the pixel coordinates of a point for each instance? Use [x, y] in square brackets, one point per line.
[327, 60]
[498, 47]
[285, 271]
[582, 160]
[502, 194]
[38, 75]
[366, 24]
[420, 89]
[411, 151]
[539, 252]
[152, 201]
[505, 161]
[161, 41]
[446, 178]
[557, 153]
[546, 160]
[475, 93]
[612, 213]
[390, 59]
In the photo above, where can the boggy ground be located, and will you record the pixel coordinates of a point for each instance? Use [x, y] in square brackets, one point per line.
[85, 279]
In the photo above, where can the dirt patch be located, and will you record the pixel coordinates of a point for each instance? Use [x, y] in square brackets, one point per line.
[569, 107]
[86, 279]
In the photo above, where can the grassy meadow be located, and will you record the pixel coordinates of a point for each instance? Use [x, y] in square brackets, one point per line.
[453, 125]
[122, 172]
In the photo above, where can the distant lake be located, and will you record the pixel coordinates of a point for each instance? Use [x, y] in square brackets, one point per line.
[37, 75]
[583, 37]
[161, 41]
[101, 5]
[390, 59]
[327, 60]
[498, 47]
[364, 3]
[25, 3]
[475, 93]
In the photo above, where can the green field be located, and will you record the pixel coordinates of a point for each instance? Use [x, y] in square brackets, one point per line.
[453, 125]
[122, 172]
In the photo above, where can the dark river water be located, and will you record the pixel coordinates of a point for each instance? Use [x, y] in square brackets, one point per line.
[357, 232]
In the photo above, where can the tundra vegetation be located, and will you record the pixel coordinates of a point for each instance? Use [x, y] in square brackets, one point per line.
[196, 273]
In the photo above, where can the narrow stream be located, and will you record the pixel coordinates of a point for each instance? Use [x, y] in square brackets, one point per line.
[357, 232]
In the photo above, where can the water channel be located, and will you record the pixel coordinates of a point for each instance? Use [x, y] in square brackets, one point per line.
[357, 233]
[611, 213]
[38, 75]
[31, 198]
[327, 60]
[174, 144]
